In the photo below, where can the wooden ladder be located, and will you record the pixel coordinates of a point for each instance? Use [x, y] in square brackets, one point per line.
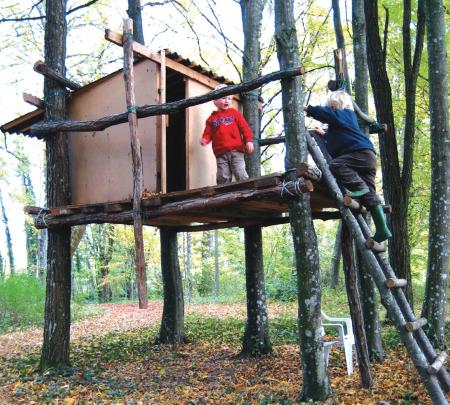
[429, 365]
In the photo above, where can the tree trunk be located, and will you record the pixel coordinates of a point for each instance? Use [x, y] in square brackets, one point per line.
[106, 242]
[314, 376]
[216, 263]
[172, 323]
[336, 258]
[12, 267]
[42, 249]
[354, 303]
[256, 337]
[439, 223]
[135, 13]
[188, 265]
[55, 348]
[361, 90]
[395, 193]
[340, 42]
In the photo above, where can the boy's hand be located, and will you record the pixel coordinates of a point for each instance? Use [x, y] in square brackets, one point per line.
[203, 142]
[249, 147]
[319, 131]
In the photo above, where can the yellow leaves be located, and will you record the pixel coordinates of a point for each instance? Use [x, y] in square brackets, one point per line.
[70, 401]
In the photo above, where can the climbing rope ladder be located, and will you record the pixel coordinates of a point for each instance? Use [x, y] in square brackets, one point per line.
[429, 365]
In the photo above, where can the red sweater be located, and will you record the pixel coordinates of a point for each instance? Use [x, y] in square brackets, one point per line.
[227, 130]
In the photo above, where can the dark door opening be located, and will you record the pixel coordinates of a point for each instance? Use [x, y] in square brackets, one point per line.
[175, 134]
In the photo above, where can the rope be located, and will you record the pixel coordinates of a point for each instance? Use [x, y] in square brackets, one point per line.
[132, 109]
[295, 184]
[42, 215]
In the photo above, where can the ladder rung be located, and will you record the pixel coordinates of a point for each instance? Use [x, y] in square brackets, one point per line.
[353, 204]
[395, 282]
[374, 246]
[438, 363]
[414, 325]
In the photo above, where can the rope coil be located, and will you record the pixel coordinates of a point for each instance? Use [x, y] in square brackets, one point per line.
[295, 184]
[41, 215]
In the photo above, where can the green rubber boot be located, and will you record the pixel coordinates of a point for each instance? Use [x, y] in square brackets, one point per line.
[382, 231]
[358, 193]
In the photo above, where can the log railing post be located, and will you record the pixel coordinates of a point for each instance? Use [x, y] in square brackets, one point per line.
[128, 73]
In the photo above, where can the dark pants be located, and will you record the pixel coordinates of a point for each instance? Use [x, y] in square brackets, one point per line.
[355, 171]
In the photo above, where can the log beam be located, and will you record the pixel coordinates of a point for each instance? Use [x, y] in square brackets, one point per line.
[159, 109]
[43, 69]
[33, 100]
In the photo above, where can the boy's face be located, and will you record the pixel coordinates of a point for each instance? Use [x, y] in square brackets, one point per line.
[224, 103]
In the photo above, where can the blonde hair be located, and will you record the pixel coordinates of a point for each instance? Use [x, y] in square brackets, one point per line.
[340, 99]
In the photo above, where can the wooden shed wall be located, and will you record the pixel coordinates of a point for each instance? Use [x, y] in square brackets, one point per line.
[101, 163]
[200, 159]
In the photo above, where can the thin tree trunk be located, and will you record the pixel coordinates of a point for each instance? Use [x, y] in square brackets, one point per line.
[336, 258]
[256, 337]
[216, 264]
[188, 265]
[55, 348]
[340, 42]
[439, 224]
[314, 375]
[9, 248]
[361, 90]
[172, 323]
[352, 282]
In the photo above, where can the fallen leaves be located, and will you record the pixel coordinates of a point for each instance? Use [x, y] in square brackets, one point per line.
[115, 362]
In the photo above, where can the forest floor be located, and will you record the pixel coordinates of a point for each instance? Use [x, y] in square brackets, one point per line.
[115, 361]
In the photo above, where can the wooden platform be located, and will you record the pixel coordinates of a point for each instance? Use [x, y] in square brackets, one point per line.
[258, 201]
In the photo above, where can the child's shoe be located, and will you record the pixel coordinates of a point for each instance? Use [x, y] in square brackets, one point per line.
[358, 193]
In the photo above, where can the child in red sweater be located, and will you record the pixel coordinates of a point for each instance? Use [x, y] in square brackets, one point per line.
[231, 136]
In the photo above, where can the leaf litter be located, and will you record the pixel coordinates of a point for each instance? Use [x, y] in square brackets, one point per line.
[115, 361]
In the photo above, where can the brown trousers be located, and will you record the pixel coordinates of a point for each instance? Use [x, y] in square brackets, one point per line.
[231, 164]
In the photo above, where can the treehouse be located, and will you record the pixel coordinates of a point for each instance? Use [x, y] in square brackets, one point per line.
[175, 167]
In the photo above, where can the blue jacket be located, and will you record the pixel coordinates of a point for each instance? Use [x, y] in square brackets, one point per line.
[343, 135]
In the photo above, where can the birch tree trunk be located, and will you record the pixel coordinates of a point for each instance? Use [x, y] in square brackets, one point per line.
[439, 223]
[315, 386]
[216, 264]
[55, 348]
[135, 13]
[256, 337]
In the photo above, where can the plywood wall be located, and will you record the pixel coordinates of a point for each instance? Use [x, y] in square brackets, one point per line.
[201, 162]
[100, 162]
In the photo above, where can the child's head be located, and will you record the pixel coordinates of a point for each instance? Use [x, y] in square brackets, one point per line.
[339, 100]
[223, 103]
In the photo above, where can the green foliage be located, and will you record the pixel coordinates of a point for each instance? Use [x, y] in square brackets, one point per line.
[22, 300]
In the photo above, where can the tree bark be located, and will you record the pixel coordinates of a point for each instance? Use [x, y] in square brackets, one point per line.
[395, 193]
[172, 323]
[188, 265]
[256, 337]
[55, 348]
[361, 91]
[314, 375]
[439, 223]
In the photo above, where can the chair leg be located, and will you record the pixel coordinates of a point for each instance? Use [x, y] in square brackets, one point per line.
[348, 349]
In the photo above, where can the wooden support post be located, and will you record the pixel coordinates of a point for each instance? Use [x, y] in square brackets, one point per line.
[395, 282]
[43, 69]
[164, 121]
[415, 325]
[128, 73]
[438, 363]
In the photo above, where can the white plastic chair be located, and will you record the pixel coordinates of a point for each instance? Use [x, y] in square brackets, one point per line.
[346, 338]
